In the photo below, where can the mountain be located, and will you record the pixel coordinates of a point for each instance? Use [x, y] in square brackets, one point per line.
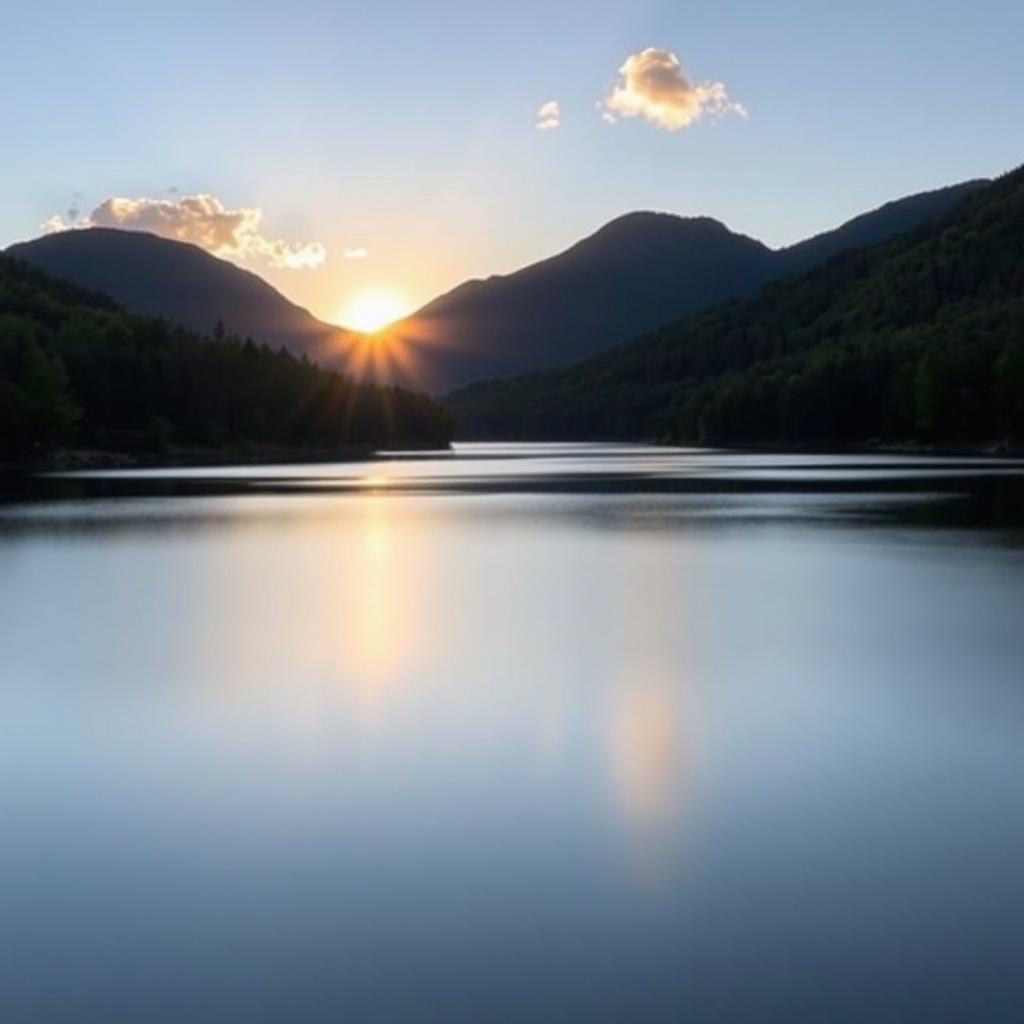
[185, 284]
[888, 221]
[635, 274]
[77, 369]
[918, 338]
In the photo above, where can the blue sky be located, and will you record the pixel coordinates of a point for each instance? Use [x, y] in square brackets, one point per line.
[407, 129]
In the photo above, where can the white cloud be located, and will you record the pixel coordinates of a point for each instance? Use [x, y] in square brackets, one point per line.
[652, 85]
[54, 224]
[201, 220]
[548, 116]
[358, 253]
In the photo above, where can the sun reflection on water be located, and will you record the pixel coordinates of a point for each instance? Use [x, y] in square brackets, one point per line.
[378, 632]
[375, 628]
[646, 748]
[652, 713]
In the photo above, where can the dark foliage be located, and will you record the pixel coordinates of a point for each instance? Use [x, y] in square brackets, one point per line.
[76, 368]
[921, 338]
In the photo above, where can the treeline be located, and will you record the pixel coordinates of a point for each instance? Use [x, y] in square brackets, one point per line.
[75, 369]
[918, 339]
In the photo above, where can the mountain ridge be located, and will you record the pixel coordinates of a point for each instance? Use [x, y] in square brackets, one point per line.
[886, 221]
[586, 298]
[635, 273]
[918, 338]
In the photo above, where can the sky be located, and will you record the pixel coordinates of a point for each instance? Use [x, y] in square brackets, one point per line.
[365, 157]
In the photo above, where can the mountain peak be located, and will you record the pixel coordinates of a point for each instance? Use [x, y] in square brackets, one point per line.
[645, 220]
[648, 227]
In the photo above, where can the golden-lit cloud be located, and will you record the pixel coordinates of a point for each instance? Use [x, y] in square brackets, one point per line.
[356, 253]
[201, 220]
[548, 116]
[653, 85]
[56, 223]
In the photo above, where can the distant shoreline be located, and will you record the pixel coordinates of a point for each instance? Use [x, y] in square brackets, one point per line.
[83, 459]
[988, 449]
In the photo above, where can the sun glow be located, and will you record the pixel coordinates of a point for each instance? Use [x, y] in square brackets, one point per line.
[371, 312]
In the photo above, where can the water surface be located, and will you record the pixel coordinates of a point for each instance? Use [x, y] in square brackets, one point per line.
[520, 733]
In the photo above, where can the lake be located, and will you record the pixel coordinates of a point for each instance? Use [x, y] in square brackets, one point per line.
[520, 733]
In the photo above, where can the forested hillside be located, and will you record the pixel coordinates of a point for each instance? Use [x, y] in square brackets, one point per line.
[921, 338]
[76, 369]
[154, 276]
[635, 274]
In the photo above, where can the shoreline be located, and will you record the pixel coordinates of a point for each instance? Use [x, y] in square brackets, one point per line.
[85, 460]
[987, 449]
[75, 460]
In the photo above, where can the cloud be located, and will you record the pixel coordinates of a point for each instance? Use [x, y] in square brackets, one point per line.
[358, 253]
[201, 220]
[548, 116]
[54, 224]
[652, 85]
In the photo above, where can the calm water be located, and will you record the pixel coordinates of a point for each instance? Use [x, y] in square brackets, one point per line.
[521, 734]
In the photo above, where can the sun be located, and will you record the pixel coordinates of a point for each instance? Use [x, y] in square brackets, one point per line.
[371, 312]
